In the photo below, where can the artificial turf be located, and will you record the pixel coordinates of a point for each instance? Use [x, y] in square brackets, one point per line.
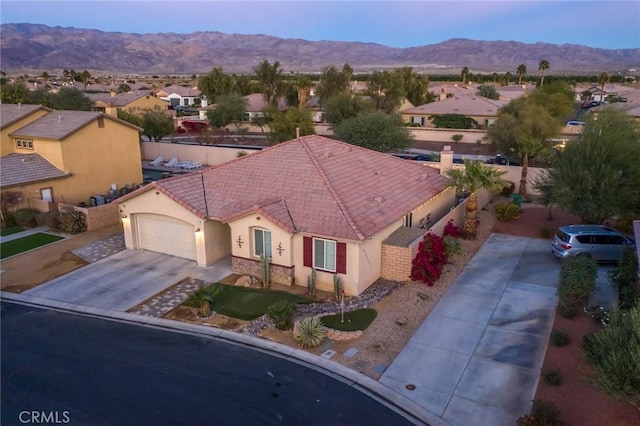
[359, 319]
[248, 303]
[9, 231]
[29, 242]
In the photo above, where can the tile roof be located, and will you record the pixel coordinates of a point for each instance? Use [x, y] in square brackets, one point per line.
[313, 184]
[19, 169]
[120, 99]
[10, 113]
[178, 90]
[469, 104]
[256, 102]
[61, 123]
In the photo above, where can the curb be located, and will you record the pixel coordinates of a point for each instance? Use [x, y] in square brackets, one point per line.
[393, 400]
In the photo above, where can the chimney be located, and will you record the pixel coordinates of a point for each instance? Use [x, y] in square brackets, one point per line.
[297, 132]
[446, 159]
[113, 93]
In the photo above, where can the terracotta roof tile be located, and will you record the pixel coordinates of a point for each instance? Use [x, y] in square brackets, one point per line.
[312, 184]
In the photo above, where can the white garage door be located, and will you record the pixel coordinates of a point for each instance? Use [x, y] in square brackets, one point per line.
[166, 235]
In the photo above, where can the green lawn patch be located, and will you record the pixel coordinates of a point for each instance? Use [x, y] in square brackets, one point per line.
[29, 242]
[356, 320]
[9, 231]
[248, 303]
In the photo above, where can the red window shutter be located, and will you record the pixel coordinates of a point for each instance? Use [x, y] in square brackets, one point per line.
[307, 251]
[341, 258]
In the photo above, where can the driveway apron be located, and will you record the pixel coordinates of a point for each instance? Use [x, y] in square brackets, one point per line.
[126, 279]
[476, 359]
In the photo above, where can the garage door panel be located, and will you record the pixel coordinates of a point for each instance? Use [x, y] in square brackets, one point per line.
[166, 235]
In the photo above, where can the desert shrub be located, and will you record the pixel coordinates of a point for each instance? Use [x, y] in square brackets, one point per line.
[625, 280]
[452, 246]
[577, 281]
[201, 299]
[552, 377]
[624, 224]
[26, 218]
[566, 311]
[430, 259]
[543, 413]
[559, 338]
[506, 212]
[72, 222]
[310, 332]
[9, 220]
[281, 312]
[49, 219]
[614, 352]
[451, 230]
[508, 190]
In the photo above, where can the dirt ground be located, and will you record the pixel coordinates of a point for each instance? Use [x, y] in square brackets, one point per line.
[28, 270]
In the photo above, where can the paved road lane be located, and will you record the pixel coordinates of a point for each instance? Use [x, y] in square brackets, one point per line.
[109, 373]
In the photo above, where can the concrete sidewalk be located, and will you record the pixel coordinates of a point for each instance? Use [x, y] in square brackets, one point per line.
[477, 357]
[21, 234]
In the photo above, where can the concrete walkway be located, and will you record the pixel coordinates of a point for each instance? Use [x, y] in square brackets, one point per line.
[21, 234]
[126, 279]
[477, 357]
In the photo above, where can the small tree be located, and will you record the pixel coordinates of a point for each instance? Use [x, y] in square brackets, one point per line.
[376, 131]
[8, 199]
[488, 91]
[474, 177]
[156, 124]
[229, 109]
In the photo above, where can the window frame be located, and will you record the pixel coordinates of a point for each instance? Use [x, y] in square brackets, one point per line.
[335, 254]
[266, 248]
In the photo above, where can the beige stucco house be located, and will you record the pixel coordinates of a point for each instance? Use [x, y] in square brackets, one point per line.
[66, 156]
[133, 102]
[310, 203]
[483, 110]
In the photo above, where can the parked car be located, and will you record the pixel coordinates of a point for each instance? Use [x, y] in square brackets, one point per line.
[575, 123]
[601, 243]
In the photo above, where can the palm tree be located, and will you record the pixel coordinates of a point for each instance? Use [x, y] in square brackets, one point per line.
[521, 71]
[527, 148]
[542, 67]
[303, 86]
[475, 176]
[602, 80]
[464, 75]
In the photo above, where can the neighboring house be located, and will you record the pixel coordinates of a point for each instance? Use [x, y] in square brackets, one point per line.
[66, 156]
[132, 102]
[310, 203]
[256, 104]
[179, 96]
[483, 110]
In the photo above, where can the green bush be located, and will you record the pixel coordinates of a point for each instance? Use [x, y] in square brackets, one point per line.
[625, 280]
[508, 190]
[506, 212]
[452, 246]
[614, 352]
[567, 312]
[577, 282]
[310, 332]
[543, 413]
[559, 338]
[26, 218]
[72, 222]
[552, 377]
[281, 312]
[49, 219]
[546, 233]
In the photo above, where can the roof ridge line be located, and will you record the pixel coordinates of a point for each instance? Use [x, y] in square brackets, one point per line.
[332, 190]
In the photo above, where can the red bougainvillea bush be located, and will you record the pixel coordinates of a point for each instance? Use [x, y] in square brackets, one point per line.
[430, 259]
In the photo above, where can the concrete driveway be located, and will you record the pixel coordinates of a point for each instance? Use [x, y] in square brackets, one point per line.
[126, 279]
[476, 359]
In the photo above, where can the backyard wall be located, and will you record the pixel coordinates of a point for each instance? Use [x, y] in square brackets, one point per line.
[208, 155]
[97, 217]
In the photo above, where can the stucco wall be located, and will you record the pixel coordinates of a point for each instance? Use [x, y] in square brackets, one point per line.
[208, 155]
[7, 143]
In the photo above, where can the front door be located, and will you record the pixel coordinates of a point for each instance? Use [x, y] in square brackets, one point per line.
[46, 194]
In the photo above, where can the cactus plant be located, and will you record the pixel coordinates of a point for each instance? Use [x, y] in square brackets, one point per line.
[310, 332]
[264, 268]
[337, 286]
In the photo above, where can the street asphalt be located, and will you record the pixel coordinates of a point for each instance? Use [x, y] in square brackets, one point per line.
[91, 371]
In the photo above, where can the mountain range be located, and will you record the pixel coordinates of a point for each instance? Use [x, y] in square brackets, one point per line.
[36, 47]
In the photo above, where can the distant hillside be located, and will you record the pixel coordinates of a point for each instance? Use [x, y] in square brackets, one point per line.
[31, 47]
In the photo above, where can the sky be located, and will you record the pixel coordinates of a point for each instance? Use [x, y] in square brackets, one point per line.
[396, 23]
